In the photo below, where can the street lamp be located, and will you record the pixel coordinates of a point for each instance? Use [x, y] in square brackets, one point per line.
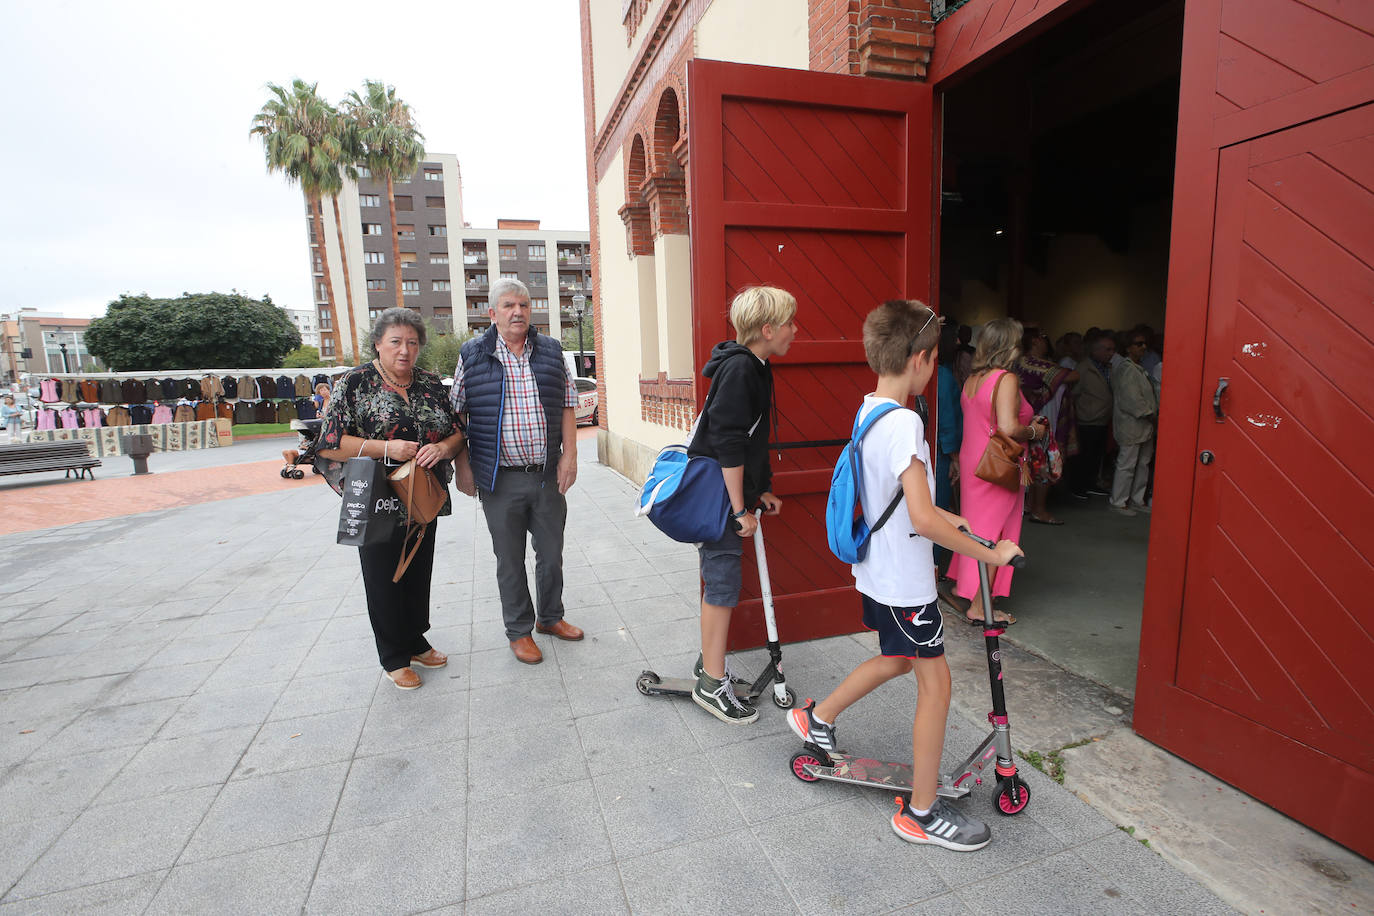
[579, 304]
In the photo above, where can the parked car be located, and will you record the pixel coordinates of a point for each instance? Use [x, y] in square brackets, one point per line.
[587, 400]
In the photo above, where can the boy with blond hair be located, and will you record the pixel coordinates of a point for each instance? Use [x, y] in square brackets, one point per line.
[734, 431]
[896, 577]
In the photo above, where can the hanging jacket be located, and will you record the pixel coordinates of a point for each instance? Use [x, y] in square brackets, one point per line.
[71, 393]
[205, 410]
[170, 389]
[162, 414]
[267, 388]
[185, 413]
[302, 386]
[117, 416]
[244, 412]
[248, 387]
[230, 386]
[224, 411]
[265, 412]
[321, 377]
[140, 414]
[90, 391]
[94, 417]
[286, 411]
[68, 419]
[210, 388]
[305, 409]
[47, 391]
[484, 381]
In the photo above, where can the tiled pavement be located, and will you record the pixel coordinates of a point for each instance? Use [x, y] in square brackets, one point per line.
[192, 720]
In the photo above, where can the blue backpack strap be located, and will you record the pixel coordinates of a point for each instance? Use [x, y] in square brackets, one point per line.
[860, 430]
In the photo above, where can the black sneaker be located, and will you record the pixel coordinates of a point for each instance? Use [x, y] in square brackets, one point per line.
[945, 826]
[718, 698]
[804, 725]
[736, 682]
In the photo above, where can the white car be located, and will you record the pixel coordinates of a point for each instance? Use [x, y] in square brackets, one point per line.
[587, 400]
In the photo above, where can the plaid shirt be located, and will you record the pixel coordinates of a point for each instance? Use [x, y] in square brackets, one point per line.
[524, 439]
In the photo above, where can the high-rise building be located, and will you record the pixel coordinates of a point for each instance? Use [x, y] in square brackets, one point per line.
[445, 267]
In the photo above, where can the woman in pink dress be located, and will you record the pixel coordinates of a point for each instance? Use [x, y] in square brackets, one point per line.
[992, 511]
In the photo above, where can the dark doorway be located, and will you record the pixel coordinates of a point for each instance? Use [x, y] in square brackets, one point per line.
[1057, 184]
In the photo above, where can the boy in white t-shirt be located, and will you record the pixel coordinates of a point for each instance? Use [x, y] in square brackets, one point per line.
[896, 578]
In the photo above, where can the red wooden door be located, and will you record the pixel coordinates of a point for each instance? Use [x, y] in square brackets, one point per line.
[820, 184]
[1260, 673]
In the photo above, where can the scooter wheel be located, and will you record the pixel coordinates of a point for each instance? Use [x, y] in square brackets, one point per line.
[800, 761]
[1012, 796]
[645, 681]
[298, 474]
[787, 701]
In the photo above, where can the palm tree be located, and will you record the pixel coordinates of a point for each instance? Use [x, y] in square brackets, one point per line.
[300, 140]
[391, 144]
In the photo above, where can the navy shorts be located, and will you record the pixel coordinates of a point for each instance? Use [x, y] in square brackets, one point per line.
[720, 569]
[906, 632]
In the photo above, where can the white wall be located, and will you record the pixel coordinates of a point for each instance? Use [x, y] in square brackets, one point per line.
[768, 32]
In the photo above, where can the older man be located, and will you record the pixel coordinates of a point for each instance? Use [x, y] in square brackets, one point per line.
[512, 386]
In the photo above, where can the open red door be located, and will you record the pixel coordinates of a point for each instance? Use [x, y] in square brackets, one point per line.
[1255, 648]
[820, 184]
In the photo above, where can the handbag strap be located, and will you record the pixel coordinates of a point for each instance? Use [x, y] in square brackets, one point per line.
[992, 402]
[408, 550]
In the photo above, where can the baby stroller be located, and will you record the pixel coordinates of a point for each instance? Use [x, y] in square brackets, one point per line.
[309, 431]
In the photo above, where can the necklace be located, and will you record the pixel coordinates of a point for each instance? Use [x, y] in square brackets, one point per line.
[387, 377]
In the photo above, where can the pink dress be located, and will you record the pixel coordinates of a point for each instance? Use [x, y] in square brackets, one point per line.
[994, 512]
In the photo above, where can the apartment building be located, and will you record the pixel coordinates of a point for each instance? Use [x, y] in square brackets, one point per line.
[446, 267]
[35, 342]
[305, 321]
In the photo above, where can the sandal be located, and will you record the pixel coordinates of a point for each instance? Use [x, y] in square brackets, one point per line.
[1045, 521]
[1005, 620]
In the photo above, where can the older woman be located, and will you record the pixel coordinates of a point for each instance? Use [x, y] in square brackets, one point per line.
[392, 411]
[991, 399]
[1043, 385]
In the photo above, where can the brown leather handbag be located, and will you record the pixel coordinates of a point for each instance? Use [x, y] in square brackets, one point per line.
[1003, 462]
[423, 496]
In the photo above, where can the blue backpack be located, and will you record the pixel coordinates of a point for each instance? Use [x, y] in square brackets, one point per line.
[845, 528]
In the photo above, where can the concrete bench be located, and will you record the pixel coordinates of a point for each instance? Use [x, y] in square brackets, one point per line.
[39, 457]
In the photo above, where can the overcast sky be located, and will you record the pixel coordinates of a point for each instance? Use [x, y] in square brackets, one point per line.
[129, 167]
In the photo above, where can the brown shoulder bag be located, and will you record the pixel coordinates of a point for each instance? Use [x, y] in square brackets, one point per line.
[423, 496]
[1003, 461]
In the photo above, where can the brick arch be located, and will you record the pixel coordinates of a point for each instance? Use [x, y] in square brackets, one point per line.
[639, 237]
[667, 131]
[636, 170]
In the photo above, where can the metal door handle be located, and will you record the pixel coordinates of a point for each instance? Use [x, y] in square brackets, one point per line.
[1222, 385]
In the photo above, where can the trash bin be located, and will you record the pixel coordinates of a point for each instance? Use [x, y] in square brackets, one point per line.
[138, 447]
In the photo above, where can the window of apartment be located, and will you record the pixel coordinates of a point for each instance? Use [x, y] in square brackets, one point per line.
[321, 292]
[434, 174]
[374, 257]
[439, 257]
[372, 228]
[539, 304]
[410, 287]
[507, 252]
[442, 286]
[327, 346]
[374, 314]
[474, 255]
[536, 251]
[407, 259]
[319, 262]
[539, 278]
[374, 285]
[438, 230]
[369, 200]
[364, 172]
[509, 275]
[569, 255]
[569, 281]
[435, 202]
[405, 232]
[405, 202]
[476, 280]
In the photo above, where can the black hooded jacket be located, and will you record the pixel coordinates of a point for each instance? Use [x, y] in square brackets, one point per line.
[734, 429]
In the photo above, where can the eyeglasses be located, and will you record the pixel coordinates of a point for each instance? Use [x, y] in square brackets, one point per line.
[911, 347]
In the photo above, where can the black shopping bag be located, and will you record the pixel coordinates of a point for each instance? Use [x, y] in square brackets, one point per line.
[371, 510]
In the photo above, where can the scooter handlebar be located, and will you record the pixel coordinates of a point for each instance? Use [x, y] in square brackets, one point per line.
[1016, 562]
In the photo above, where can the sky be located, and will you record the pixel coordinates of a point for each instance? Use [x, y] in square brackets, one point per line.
[129, 166]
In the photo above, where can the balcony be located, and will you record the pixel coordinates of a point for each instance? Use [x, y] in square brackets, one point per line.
[474, 258]
[476, 285]
[570, 260]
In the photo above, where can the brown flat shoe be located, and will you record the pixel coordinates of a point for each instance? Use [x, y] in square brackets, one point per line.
[431, 658]
[404, 678]
[526, 651]
[562, 629]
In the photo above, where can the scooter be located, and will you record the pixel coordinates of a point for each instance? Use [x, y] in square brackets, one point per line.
[651, 685]
[813, 764]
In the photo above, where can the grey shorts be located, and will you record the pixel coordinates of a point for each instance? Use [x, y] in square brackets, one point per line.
[720, 568]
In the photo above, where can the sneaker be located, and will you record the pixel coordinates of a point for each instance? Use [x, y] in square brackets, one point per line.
[1122, 510]
[718, 698]
[806, 727]
[737, 682]
[1077, 495]
[1097, 491]
[945, 826]
[1145, 509]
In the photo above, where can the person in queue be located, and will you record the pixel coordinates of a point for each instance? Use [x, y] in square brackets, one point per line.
[991, 398]
[513, 388]
[391, 410]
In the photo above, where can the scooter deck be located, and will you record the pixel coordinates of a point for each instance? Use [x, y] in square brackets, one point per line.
[863, 771]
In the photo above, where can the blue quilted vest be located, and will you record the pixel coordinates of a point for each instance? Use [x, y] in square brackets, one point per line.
[484, 382]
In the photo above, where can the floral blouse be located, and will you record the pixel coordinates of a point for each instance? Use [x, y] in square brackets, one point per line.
[363, 405]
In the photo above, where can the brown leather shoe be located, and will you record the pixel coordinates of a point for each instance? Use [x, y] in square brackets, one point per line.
[431, 658]
[404, 678]
[562, 629]
[526, 651]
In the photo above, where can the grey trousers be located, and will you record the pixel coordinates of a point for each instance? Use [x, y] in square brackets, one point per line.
[526, 503]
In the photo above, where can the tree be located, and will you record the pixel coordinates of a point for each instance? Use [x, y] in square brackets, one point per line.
[440, 353]
[195, 331]
[391, 145]
[301, 138]
[570, 335]
[303, 357]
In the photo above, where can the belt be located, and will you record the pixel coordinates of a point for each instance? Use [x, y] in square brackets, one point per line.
[524, 468]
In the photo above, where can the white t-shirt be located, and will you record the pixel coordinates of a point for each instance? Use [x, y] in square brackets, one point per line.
[899, 568]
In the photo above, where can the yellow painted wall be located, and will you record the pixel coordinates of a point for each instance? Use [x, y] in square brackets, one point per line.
[768, 32]
[611, 56]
